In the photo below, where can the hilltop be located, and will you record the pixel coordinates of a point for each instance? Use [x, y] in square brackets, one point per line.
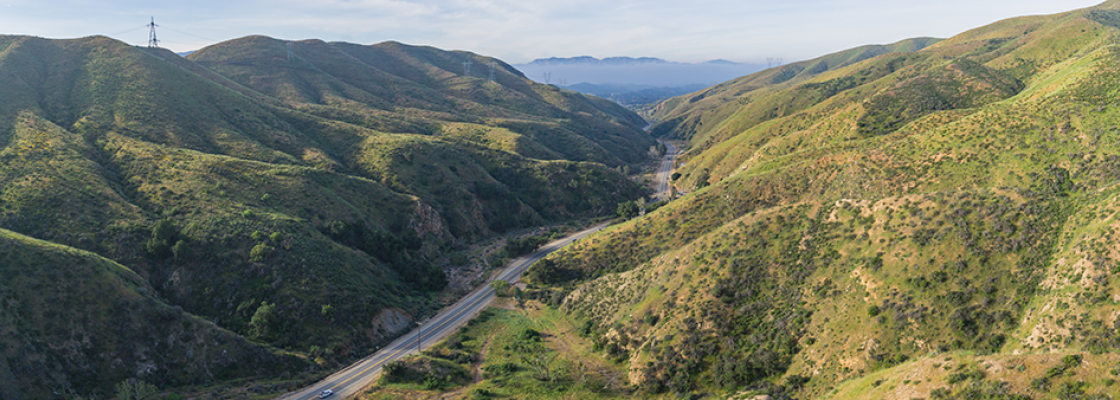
[588, 60]
[930, 219]
[305, 207]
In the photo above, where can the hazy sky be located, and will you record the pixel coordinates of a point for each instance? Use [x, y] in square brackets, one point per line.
[518, 31]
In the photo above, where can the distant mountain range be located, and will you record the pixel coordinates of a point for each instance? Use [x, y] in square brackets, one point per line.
[588, 60]
[633, 81]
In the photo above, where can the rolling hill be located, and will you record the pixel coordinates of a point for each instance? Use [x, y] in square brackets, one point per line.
[304, 203]
[931, 219]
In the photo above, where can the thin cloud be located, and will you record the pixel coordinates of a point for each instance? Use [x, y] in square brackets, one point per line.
[519, 31]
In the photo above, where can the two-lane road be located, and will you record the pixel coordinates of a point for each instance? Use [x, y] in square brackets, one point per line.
[664, 173]
[350, 381]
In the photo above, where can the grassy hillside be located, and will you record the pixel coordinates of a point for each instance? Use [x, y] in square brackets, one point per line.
[317, 223]
[928, 224]
[759, 97]
[75, 323]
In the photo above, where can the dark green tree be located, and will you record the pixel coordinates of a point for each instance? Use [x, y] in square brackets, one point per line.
[260, 325]
[163, 235]
[627, 210]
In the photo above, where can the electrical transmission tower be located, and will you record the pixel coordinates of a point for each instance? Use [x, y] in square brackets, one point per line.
[467, 67]
[290, 51]
[492, 66]
[152, 41]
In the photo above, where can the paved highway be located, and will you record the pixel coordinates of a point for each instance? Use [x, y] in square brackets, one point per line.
[664, 173]
[350, 381]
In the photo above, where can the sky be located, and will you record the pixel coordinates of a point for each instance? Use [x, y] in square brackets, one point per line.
[518, 31]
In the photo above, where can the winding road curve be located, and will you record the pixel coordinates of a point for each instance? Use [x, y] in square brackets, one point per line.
[350, 381]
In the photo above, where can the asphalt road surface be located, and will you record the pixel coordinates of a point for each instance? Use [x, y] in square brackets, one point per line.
[350, 381]
[664, 172]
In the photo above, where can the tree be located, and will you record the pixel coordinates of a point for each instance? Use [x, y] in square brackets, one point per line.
[627, 210]
[641, 203]
[501, 287]
[260, 252]
[163, 235]
[259, 326]
[133, 389]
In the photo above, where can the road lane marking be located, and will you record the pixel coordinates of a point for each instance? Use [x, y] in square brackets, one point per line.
[453, 317]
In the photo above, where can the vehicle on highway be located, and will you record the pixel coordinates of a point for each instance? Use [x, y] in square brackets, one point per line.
[326, 393]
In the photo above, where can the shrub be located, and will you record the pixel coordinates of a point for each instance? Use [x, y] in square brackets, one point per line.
[500, 287]
[260, 252]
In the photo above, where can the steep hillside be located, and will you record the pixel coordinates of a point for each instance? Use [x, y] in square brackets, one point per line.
[926, 224]
[316, 224]
[56, 341]
[395, 87]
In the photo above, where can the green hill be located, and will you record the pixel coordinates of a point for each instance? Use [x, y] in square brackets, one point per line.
[390, 86]
[330, 212]
[928, 223]
[75, 323]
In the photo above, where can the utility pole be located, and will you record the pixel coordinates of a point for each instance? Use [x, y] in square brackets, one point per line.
[152, 41]
[467, 67]
[289, 51]
[492, 66]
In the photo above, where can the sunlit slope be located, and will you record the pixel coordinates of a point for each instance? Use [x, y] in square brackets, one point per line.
[697, 113]
[955, 199]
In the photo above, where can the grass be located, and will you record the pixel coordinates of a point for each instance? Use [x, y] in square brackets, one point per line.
[488, 340]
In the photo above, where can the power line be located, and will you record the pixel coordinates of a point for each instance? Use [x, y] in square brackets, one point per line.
[188, 34]
[128, 30]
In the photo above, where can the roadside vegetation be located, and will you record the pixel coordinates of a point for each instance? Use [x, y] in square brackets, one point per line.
[527, 352]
